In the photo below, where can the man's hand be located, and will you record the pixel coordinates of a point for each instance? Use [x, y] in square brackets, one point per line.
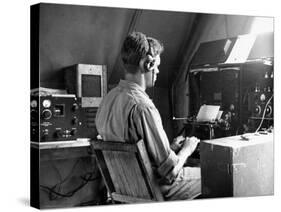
[177, 143]
[191, 143]
[188, 146]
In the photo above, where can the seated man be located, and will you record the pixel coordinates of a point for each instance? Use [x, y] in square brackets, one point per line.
[128, 114]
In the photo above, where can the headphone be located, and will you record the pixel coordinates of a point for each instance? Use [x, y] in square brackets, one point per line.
[150, 60]
[148, 65]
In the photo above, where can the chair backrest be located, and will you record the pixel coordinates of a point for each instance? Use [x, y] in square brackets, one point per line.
[127, 171]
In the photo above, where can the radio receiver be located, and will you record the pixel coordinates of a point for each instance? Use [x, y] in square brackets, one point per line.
[88, 83]
[54, 118]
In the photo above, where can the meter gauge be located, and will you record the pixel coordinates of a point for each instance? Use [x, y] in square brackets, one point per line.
[33, 103]
[46, 103]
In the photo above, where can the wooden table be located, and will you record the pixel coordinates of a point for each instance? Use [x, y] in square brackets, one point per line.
[62, 149]
[52, 159]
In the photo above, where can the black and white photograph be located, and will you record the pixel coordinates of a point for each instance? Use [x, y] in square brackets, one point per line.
[143, 105]
[137, 105]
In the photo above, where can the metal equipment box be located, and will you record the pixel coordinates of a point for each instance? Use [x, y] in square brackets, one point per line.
[233, 166]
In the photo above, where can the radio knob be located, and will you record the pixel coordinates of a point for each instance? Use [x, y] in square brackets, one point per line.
[73, 132]
[46, 114]
[75, 121]
[257, 110]
[75, 107]
[45, 134]
[262, 97]
[58, 133]
[268, 111]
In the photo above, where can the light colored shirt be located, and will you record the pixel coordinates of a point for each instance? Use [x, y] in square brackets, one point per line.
[128, 114]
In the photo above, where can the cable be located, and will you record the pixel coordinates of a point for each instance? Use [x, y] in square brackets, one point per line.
[263, 115]
[71, 171]
[57, 187]
[55, 191]
[85, 179]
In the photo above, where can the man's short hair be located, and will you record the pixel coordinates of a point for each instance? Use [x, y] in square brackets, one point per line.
[137, 46]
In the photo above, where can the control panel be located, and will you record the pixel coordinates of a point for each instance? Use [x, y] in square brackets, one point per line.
[261, 103]
[55, 118]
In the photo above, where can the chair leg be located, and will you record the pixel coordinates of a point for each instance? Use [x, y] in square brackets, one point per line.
[110, 200]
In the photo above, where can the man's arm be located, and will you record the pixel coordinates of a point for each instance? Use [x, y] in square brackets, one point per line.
[188, 147]
[148, 124]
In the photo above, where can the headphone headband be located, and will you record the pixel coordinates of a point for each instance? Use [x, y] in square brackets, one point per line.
[150, 60]
[149, 48]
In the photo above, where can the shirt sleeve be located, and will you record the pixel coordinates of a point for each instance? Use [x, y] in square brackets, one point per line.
[149, 125]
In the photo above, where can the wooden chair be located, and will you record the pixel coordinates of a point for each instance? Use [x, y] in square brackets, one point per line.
[127, 171]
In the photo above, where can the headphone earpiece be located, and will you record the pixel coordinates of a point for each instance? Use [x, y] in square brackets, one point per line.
[149, 63]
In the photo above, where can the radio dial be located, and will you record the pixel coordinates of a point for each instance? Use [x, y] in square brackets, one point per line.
[33, 103]
[257, 110]
[46, 103]
[46, 114]
[268, 111]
